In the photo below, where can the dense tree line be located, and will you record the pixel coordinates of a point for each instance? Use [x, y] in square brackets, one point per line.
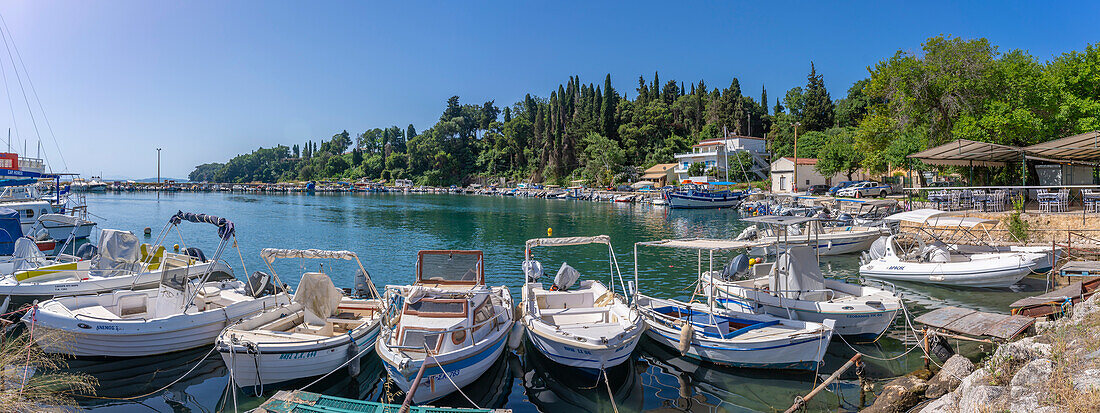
[953, 88]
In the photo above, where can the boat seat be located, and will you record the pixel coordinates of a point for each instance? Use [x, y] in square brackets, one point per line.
[96, 311]
[571, 311]
[154, 261]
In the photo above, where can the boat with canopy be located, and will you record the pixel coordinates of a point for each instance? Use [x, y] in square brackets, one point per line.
[936, 253]
[710, 332]
[701, 195]
[318, 331]
[182, 313]
[776, 232]
[588, 326]
[445, 330]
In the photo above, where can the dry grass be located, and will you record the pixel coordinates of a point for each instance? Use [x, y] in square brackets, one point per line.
[46, 389]
[1070, 343]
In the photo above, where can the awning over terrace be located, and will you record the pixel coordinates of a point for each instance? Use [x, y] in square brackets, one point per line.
[963, 152]
[1082, 147]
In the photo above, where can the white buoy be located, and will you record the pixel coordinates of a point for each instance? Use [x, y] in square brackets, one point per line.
[515, 337]
[685, 338]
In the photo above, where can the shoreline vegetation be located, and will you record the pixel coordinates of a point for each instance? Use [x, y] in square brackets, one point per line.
[952, 88]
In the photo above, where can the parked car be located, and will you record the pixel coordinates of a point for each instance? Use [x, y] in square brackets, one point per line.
[841, 185]
[866, 188]
[817, 190]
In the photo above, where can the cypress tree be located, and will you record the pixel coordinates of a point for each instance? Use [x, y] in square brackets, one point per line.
[817, 106]
[507, 114]
[607, 109]
[764, 99]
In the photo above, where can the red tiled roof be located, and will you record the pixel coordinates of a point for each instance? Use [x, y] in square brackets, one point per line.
[802, 161]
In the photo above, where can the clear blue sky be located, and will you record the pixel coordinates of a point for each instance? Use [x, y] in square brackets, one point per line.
[207, 80]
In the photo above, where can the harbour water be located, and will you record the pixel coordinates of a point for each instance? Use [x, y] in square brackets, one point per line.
[386, 230]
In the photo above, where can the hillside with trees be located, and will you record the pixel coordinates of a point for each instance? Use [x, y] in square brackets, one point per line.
[953, 88]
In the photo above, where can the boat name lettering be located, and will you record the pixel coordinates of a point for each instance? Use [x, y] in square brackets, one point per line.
[112, 328]
[896, 267]
[576, 350]
[295, 356]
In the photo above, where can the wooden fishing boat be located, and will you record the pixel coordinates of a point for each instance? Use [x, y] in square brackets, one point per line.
[319, 331]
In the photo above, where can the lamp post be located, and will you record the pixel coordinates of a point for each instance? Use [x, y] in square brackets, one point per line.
[794, 179]
[158, 173]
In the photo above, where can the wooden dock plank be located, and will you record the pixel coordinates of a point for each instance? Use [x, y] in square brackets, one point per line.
[1080, 269]
[976, 323]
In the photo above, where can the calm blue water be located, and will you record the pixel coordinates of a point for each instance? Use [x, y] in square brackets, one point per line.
[386, 230]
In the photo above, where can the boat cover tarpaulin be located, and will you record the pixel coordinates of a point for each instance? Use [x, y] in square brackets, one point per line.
[27, 255]
[937, 218]
[118, 250]
[562, 241]
[10, 230]
[797, 274]
[61, 219]
[270, 254]
[318, 295]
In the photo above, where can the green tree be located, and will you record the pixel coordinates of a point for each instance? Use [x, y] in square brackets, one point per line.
[817, 109]
[603, 159]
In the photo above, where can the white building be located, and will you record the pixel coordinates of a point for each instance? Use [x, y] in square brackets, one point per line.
[713, 153]
[783, 175]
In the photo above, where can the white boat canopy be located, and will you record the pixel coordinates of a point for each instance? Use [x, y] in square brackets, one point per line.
[270, 254]
[779, 219]
[705, 244]
[61, 219]
[937, 218]
[562, 241]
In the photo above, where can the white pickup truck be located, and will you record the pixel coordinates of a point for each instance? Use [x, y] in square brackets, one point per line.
[865, 189]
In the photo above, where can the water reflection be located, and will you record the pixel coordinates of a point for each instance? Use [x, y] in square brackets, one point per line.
[121, 380]
[554, 388]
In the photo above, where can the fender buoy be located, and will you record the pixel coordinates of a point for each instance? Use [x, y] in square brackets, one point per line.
[515, 337]
[685, 338]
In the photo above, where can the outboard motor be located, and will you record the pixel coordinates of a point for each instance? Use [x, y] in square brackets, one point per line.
[878, 248]
[737, 268]
[260, 284]
[42, 235]
[362, 289]
[87, 251]
[533, 270]
[195, 252]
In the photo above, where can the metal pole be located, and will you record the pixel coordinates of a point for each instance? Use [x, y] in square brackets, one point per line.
[794, 180]
[158, 173]
[799, 402]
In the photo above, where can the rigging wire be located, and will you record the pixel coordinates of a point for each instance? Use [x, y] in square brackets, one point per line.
[11, 106]
[19, 79]
[34, 91]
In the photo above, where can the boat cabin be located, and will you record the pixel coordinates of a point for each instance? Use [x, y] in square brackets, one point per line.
[454, 310]
[453, 269]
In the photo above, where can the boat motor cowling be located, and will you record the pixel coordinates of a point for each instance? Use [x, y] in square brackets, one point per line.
[737, 267]
[195, 252]
[260, 284]
[567, 276]
[362, 288]
[747, 234]
[87, 251]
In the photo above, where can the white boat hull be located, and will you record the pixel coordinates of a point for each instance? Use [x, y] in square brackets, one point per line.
[292, 363]
[826, 244]
[1003, 271]
[585, 358]
[86, 336]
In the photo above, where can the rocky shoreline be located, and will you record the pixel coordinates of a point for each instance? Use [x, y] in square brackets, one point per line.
[1056, 370]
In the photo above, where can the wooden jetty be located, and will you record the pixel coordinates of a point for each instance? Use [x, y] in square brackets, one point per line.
[974, 323]
[302, 401]
[1080, 269]
[1057, 301]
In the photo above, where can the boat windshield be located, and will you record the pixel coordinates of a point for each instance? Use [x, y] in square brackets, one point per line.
[437, 308]
[450, 267]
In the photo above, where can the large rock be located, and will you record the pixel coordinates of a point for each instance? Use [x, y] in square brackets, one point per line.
[1088, 380]
[943, 404]
[1085, 308]
[979, 377]
[1031, 377]
[980, 399]
[899, 395]
[948, 378]
[1024, 350]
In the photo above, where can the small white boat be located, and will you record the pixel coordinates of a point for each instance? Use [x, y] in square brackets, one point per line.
[447, 329]
[733, 338]
[589, 326]
[179, 315]
[58, 228]
[776, 232]
[924, 257]
[316, 333]
[793, 287]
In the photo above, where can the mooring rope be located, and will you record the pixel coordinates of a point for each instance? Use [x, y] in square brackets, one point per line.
[610, 395]
[448, 376]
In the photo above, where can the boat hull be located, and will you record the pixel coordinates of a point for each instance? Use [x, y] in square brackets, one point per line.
[85, 336]
[435, 384]
[700, 202]
[771, 355]
[266, 365]
[854, 318]
[998, 273]
[833, 244]
[590, 359]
